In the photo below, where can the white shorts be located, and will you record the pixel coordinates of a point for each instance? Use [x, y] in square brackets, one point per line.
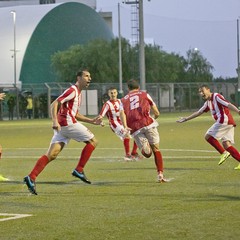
[222, 132]
[76, 131]
[119, 131]
[150, 134]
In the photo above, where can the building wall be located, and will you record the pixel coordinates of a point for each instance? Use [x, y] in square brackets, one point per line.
[90, 3]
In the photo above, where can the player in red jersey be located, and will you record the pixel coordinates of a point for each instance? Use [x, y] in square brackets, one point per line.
[135, 114]
[66, 127]
[223, 128]
[2, 96]
[111, 110]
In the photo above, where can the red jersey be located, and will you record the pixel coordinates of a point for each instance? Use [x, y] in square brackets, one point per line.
[218, 106]
[137, 105]
[111, 110]
[70, 101]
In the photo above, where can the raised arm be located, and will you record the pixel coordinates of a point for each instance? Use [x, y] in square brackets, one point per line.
[194, 115]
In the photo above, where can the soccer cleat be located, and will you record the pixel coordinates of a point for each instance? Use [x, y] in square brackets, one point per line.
[237, 167]
[81, 176]
[128, 158]
[161, 179]
[3, 179]
[30, 184]
[136, 157]
[223, 158]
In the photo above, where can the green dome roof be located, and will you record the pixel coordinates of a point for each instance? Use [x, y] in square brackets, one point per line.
[65, 25]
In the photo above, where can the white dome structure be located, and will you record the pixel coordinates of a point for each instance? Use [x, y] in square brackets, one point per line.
[40, 31]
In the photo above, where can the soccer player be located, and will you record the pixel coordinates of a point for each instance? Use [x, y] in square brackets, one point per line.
[2, 96]
[223, 128]
[66, 126]
[135, 110]
[111, 110]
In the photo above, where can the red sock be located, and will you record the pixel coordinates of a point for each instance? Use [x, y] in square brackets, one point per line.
[234, 152]
[158, 161]
[126, 143]
[134, 150]
[215, 143]
[86, 154]
[39, 166]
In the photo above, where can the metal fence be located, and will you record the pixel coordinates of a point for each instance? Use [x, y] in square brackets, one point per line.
[169, 97]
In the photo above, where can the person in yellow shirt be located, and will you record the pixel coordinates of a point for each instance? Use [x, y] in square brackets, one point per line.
[29, 106]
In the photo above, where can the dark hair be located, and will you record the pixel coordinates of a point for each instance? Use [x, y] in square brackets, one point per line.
[132, 84]
[112, 88]
[204, 86]
[80, 72]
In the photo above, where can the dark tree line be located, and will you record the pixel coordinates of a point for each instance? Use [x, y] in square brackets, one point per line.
[102, 58]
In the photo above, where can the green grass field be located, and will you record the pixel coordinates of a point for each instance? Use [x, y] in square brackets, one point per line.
[125, 201]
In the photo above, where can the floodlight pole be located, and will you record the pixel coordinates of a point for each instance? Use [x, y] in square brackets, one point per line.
[142, 71]
[13, 12]
[120, 52]
[141, 48]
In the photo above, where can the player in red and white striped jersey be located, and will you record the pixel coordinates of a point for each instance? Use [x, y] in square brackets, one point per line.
[135, 114]
[111, 110]
[223, 128]
[66, 127]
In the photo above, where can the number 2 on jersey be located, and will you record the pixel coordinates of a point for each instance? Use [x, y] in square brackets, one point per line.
[134, 102]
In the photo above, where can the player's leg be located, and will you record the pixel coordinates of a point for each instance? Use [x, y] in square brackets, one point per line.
[119, 130]
[217, 131]
[134, 152]
[215, 143]
[2, 179]
[52, 153]
[154, 139]
[142, 142]
[80, 133]
[126, 145]
[57, 144]
[233, 151]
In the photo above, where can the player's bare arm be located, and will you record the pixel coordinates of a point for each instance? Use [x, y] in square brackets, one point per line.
[184, 119]
[83, 118]
[233, 108]
[124, 121]
[155, 111]
[54, 110]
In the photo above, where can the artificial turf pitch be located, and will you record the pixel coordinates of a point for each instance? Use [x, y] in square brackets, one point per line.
[124, 200]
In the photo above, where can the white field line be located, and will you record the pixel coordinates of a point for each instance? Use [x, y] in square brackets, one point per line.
[63, 156]
[172, 150]
[12, 216]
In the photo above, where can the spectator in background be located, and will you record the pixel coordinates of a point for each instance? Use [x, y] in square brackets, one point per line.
[29, 106]
[11, 104]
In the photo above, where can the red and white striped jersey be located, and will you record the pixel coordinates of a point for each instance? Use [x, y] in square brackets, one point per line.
[137, 106]
[218, 106]
[70, 101]
[111, 110]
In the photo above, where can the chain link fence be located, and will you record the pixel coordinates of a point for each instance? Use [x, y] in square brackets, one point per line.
[169, 97]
